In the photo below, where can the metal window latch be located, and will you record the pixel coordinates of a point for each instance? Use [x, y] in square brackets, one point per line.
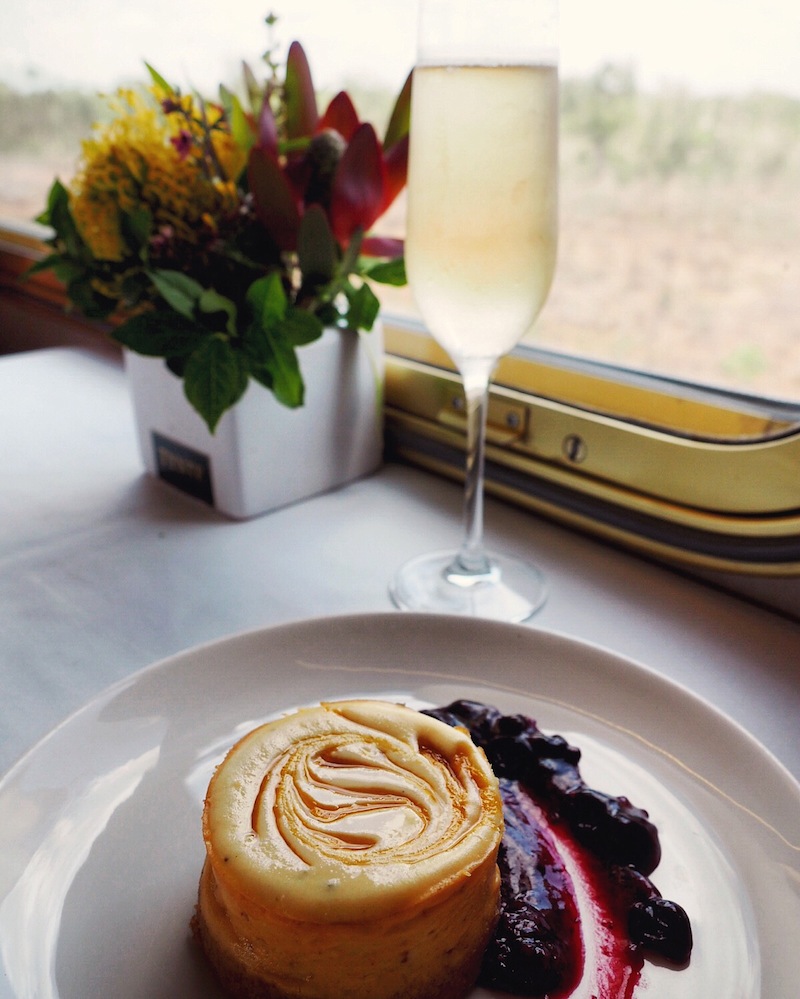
[506, 422]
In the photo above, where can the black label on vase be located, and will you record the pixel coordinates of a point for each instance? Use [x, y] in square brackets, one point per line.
[183, 467]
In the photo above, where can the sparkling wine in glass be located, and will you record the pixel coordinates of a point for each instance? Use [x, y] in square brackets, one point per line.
[481, 247]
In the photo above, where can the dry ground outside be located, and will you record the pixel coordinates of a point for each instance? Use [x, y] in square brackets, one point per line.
[694, 282]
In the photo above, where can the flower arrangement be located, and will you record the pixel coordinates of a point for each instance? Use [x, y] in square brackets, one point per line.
[224, 235]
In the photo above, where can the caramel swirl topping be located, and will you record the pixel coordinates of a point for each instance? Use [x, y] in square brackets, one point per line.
[351, 809]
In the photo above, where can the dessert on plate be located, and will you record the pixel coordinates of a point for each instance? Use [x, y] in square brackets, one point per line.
[351, 853]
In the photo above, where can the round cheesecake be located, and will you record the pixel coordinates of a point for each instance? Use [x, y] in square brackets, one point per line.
[350, 854]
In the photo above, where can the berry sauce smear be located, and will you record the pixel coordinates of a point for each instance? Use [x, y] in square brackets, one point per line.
[561, 838]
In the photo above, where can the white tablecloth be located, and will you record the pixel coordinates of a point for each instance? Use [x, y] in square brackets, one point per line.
[104, 570]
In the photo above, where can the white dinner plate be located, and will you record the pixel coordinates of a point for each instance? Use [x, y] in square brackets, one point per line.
[100, 843]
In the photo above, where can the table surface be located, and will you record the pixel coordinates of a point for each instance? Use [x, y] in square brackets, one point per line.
[104, 570]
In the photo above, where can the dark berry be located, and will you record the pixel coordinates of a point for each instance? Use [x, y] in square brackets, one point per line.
[536, 935]
[661, 927]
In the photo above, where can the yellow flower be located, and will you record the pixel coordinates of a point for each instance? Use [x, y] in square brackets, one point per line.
[131, 164]
[232, 158]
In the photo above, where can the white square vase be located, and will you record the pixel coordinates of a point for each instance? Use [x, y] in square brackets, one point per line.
[262, 454]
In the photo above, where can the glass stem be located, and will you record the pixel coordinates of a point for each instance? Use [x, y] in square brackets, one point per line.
[471, 564]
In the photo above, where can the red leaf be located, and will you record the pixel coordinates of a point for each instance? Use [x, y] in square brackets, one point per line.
[396, 160]
[382, 246]
[274, 201]
[297, 172]
[267, 129]
[357, 192]
[301, 102]
[340, 115]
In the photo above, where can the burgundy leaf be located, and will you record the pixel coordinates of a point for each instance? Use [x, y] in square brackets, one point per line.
[340, 115]
[301, 102]
[396, 162]
[382, 246]
[297, 172]
[274, 201]
[358, 190]
[267, 129]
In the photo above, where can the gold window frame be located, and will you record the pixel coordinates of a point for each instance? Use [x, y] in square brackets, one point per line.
[699, 478]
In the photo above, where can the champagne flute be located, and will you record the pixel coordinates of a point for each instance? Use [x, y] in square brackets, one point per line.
[481, 247]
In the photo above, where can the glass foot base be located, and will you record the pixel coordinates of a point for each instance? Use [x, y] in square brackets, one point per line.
[511, 591]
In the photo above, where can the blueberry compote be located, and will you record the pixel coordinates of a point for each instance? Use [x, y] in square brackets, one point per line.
[538, 947]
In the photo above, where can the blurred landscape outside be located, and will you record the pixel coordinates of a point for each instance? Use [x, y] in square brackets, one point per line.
[679, 221]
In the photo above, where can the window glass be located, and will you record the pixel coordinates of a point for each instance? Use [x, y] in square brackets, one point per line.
[55, 58]
[680, 220]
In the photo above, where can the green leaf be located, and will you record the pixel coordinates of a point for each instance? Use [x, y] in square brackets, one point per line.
[214, 379]
[268, 300]
[64, 267]
[160, 334]
[273, 362]
[288, 147]
[56, 193]
[301, 327]
[391, 272]
[159, 80]
[82, 294]
[287, 382]
[317, 250]
[211, 302]
[268, 340]
[178, 290]
[350, 259]
[363, 307]
[137, 290]
[241, 129]
[252, 87]
[137, 227]
[400, 118]
[58, 216]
